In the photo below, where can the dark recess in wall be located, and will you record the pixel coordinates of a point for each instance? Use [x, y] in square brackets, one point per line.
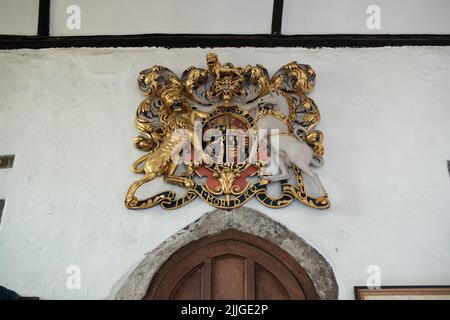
[448, 166]
[2, 205]
[6, 161]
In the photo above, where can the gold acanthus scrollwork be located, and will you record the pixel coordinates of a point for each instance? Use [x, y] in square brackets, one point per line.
[301, 82]
[226, 177]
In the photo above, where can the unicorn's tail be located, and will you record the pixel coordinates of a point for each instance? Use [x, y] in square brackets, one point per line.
[317, 161]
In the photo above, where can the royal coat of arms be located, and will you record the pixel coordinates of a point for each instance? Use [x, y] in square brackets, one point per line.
[226, 133]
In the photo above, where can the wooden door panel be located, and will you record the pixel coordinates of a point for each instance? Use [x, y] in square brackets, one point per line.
[190, 287]
[267, 287]
[231, 266]
[228, 277]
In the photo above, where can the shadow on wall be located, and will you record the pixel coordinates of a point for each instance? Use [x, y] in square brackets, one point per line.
[6, 294]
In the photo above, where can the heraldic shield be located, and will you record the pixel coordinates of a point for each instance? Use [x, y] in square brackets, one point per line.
[226, 133]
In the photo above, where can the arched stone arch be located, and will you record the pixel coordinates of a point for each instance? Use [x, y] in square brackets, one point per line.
[244, 220]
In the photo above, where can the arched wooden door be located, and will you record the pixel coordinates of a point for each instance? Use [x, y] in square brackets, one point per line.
[232, 265]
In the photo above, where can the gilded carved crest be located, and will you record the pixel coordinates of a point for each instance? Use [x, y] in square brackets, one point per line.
[226, 133]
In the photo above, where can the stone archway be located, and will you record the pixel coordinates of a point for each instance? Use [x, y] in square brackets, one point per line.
[244, 220]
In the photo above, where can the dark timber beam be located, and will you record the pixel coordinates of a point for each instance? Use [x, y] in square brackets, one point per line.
[277, 16]
[44, 18]
[225, 40]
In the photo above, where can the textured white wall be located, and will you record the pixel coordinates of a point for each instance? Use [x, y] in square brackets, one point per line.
[68, 116]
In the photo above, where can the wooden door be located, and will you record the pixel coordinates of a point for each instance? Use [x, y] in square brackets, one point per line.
[232, 265]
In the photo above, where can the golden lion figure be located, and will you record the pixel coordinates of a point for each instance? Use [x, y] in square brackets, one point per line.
[177, 118]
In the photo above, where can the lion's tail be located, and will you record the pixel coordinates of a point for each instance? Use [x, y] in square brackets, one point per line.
[138, 165]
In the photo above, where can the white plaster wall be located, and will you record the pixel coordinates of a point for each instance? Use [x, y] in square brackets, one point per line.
[168, 16]
[19, 17]
[231, 16]
[68, 116]
[350, 16]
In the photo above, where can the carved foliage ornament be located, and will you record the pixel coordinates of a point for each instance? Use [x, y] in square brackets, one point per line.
[226, 133]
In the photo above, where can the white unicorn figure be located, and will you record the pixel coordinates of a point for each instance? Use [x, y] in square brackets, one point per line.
[286, 150]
